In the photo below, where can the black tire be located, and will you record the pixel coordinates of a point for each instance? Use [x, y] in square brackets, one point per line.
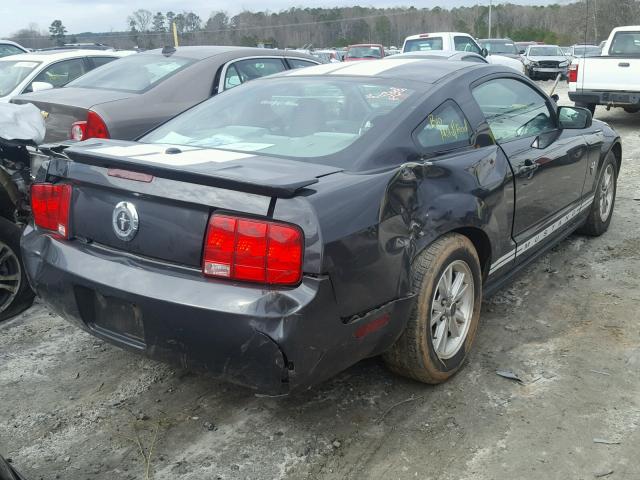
[414, 355]
[595, 225]
[12, 303]
[631, 109]
[589, 106]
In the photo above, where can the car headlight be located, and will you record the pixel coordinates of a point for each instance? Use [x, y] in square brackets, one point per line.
[563, 64]
[532, 63]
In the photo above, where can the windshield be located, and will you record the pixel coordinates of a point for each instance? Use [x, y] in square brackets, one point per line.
[299, 117]
[586, 51]
[423, 44]
[500, 47]
[12, 73]
[364, 52]
[545, 52]
[135, 73]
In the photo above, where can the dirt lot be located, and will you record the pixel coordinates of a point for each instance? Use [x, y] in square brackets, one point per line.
[74, 407]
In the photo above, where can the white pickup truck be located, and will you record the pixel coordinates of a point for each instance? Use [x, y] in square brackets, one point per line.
[456, 41]
[612, 79]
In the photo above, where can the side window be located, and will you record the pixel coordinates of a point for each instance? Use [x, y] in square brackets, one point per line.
[258, 67]
[299, 63]
[99, 61]
[513, 109]
[445, 128]
[231, 78]
[465, 44]
[61, 73]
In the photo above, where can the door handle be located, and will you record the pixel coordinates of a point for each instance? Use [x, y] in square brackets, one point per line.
[624, 64]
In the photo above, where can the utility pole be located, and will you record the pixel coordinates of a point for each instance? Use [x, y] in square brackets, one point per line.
[490, 1]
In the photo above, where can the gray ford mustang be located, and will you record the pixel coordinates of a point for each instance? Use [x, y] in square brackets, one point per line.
[283, 231]
[123, 100]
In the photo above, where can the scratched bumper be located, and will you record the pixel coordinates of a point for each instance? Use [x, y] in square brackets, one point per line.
[272, 341]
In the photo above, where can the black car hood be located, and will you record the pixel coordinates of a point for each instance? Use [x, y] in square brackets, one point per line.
[244, 171]
[73, 97]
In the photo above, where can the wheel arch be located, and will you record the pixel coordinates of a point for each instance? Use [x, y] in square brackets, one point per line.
[481, 243]
[616, 149]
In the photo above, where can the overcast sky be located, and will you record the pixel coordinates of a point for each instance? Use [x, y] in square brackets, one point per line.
[105, 15]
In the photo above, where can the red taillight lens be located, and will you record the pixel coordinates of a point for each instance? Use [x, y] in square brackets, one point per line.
[93, 127]
[253, 250]
[50, 206]
[573, 73]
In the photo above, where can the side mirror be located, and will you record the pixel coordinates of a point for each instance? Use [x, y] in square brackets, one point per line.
[574, 118]
[40, 86]
[484, 52]
[521, 51]
[555, 97]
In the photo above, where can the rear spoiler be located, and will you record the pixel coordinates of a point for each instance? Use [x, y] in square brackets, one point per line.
[260, 175]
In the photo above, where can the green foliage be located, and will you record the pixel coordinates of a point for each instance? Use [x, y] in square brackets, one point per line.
[57, 32]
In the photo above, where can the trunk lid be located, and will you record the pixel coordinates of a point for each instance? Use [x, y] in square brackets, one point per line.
[66, 105]
[173, 202]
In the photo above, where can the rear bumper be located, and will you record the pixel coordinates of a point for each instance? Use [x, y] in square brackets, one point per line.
[599, 97]
[271, 341]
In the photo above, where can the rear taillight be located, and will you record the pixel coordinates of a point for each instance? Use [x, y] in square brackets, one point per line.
[92, 127]
[573, 73]
[253, 250]
[50, 206]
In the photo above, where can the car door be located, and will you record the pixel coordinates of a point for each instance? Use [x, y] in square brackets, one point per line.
[240, 71]
[549, 164]
[60, 73]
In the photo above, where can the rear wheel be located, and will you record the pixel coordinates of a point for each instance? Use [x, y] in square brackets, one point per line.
[15, 293]
[631, 109]
[589, 106]
[444, 320]
[605, 198]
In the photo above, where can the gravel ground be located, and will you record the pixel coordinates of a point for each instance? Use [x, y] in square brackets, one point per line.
[74, 407]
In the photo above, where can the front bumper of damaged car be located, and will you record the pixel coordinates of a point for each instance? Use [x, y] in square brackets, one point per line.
[272, 341]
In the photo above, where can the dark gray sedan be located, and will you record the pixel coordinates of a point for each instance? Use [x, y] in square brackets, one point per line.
[127, 98]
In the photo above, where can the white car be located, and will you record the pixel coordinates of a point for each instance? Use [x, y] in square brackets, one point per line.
[458, 41]
[31, 72]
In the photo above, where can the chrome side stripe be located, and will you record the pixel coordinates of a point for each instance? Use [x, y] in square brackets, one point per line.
[540, 236]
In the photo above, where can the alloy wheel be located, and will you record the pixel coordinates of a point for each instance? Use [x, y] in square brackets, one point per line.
[452, 309]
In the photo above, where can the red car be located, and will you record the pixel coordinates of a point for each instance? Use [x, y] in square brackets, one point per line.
[364, 51]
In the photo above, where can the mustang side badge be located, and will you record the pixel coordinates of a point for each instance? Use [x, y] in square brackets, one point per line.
[125, 221]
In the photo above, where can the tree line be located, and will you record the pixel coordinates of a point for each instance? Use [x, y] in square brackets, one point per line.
[583, 21]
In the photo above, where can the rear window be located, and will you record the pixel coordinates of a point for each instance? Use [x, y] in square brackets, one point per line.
[136, 73]
[298, 117]
[499, 47]
[625, 44]
[423, 44]
[364, 52]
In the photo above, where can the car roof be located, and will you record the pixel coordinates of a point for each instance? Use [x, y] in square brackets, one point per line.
[505, 39]
[10, 42]
[53, 55]
[435, 34]
[207, 51]
[425, 71]
[434, 54]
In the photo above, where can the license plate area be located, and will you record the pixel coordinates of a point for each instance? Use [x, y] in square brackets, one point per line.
[111, 317]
